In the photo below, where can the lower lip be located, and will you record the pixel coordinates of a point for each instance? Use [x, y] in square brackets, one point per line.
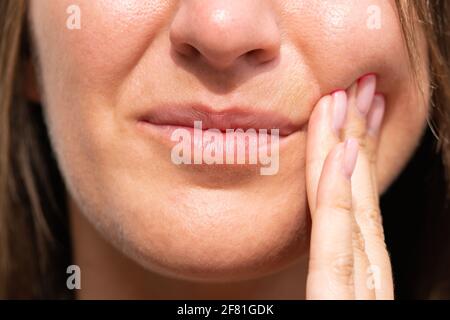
[202, 141]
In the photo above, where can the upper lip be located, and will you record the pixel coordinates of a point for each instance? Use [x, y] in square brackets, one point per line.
[228, 118]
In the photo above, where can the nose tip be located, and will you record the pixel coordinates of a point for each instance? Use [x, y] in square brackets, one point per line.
[222, 32]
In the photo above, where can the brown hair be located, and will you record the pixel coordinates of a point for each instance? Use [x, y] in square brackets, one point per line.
[34, 237]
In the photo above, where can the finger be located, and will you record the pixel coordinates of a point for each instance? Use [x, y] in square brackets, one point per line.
[360, 96]
[330, 274]
[325, 124]
[374, 122]
[363, 288]
[364, 118]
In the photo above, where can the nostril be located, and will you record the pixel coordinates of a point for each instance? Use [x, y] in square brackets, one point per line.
[221, 33]
[187, 50]
[254, 53]
[259, 56]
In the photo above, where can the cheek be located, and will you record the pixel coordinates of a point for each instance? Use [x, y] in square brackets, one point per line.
[340, 41]
[84, 67]
[113, 35]
[345, 41]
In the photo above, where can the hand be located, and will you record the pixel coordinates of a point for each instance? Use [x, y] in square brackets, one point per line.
[348, 256]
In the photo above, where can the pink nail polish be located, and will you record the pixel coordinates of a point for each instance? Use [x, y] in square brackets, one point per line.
[337, 90]
[351, 148]
[339, 109]
[366, 92]
[366, 75]
[375, 116]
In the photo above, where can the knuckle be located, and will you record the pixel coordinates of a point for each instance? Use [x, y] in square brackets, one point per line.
[338, 206]
[342, 205]
[358, 132]
[373, 222]
[370, 153]
[358, 240]
[342, 269]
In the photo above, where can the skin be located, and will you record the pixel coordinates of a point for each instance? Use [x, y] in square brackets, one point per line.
[144, 228]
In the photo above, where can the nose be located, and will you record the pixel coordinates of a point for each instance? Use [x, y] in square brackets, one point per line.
[223, 32]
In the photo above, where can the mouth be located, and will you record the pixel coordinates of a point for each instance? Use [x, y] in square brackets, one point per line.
[226, 136]
[170, 118]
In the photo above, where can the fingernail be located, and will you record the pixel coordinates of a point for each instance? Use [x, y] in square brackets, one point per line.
[366, 91]
[339, 109]
[375, 116]
[351, 148]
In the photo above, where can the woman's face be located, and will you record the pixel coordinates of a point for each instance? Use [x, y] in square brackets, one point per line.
[135, 70]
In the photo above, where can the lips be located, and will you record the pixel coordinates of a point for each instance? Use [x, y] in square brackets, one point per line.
[234, 136]
[173, 117]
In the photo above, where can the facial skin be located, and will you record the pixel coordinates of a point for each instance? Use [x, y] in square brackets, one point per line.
[209, 223]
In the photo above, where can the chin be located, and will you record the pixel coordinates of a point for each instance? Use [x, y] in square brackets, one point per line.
[215, 242]
[206, 224]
